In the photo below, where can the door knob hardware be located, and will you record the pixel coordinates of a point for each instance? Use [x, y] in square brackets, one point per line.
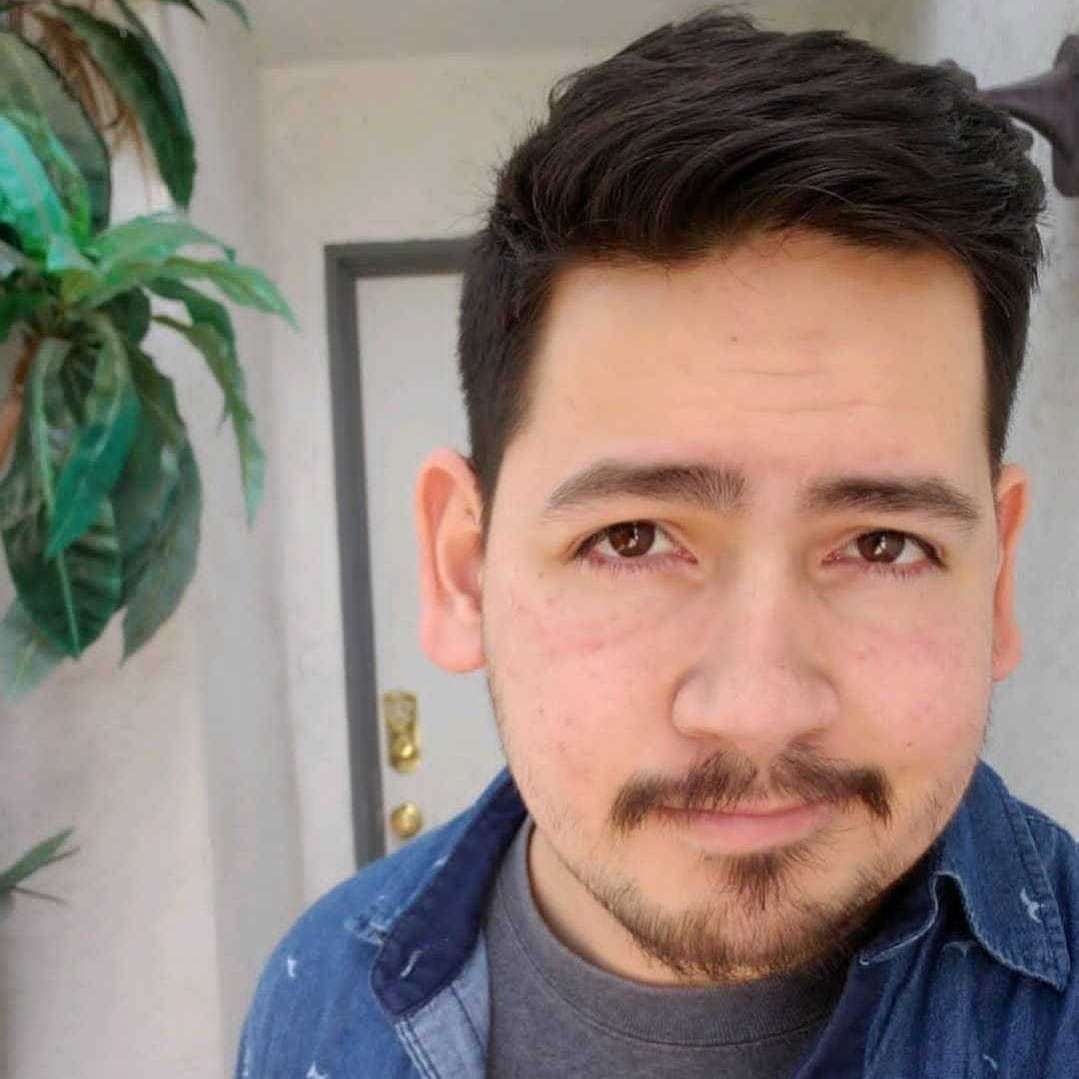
[406, 820]
[400, 714]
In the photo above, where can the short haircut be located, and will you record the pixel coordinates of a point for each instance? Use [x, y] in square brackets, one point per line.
[706, 131]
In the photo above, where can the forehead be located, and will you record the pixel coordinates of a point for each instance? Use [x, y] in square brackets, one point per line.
[796, 350]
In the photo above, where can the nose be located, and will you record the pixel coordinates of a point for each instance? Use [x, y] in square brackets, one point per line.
[758, 681]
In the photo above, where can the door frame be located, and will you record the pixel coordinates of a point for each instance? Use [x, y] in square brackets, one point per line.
[345, 265]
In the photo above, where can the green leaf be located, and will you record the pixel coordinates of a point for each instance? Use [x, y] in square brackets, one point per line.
[221, 359]
[141, 496]
[18, 306]
[64, 254]
[70, 597]
[157, 522]
[75, 283]
[141, 77]
[234, 4]
[110, 417]
[44, 853]
[130, 313]
[49, 356]
[29, 82]
[201, 309]
[11, 259]
[27, 199]
[189, 5]
[163, 568]
[199, 306]
[76, 376]
[132, 253]
[27, 655]
[64, 260]
[62, 171]
[20, 489]
[149, 238]
[218, 344]
[158, 397]
[239, 9]
[244, 284]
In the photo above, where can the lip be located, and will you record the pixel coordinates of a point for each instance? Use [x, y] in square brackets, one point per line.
[741, 831]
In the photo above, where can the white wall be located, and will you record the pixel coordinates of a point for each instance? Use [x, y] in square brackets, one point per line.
[175, 768]
[404, 149]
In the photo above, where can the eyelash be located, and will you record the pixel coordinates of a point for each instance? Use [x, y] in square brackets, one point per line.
[584, 555]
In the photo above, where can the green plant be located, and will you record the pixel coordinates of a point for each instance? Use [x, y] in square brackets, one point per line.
[37, 857]
[108, 72]
[100, 505]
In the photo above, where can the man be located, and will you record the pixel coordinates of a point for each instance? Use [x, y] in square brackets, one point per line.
[736, 546]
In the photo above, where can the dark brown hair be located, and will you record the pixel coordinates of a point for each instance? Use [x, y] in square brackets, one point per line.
[707, 130]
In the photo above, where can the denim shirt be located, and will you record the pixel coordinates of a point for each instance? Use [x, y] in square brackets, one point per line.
[386, 975]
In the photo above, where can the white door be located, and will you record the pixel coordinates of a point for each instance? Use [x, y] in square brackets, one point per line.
[407, 330]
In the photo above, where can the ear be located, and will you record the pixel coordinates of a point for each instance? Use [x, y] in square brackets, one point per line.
[448, 526]
[1012, 502]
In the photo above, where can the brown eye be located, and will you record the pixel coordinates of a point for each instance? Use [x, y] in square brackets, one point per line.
[882, 546]
[631, 539]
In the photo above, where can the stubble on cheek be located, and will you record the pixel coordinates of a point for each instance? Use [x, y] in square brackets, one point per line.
[936, 750]
[561, 677]
[928, 678]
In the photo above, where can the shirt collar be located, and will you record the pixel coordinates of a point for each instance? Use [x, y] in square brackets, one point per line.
[440, 922]
[988, 852]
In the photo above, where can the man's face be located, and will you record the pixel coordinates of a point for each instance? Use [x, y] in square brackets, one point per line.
[673, 627]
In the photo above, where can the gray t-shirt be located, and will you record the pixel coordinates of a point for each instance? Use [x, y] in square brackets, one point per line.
[554, 1014]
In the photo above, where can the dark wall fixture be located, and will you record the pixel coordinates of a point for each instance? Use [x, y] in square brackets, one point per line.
[1048, 103]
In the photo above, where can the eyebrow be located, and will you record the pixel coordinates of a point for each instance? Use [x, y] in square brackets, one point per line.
[724, 489]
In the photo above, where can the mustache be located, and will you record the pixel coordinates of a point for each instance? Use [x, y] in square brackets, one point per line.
[725, 781]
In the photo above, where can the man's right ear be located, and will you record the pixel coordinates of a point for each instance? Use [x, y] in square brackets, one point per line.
[448, 510]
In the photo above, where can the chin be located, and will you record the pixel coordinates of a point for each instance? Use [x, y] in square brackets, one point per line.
[706, 917]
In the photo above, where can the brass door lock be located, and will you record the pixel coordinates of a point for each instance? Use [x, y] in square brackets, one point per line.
[406, 820]
[402, 729]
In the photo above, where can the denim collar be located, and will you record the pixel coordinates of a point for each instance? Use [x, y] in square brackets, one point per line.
[987, 850]
[441, 920]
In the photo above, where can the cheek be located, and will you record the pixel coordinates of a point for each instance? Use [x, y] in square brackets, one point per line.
[923, 692]
[582, 683]
[558, 629]
[578, 691]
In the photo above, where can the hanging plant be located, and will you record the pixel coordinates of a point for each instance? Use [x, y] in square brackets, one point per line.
[100, 503]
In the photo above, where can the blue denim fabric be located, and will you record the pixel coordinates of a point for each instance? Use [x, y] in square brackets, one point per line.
[386, 975]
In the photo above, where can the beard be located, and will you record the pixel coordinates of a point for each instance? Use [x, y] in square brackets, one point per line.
[754, 925]
[757, 918]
